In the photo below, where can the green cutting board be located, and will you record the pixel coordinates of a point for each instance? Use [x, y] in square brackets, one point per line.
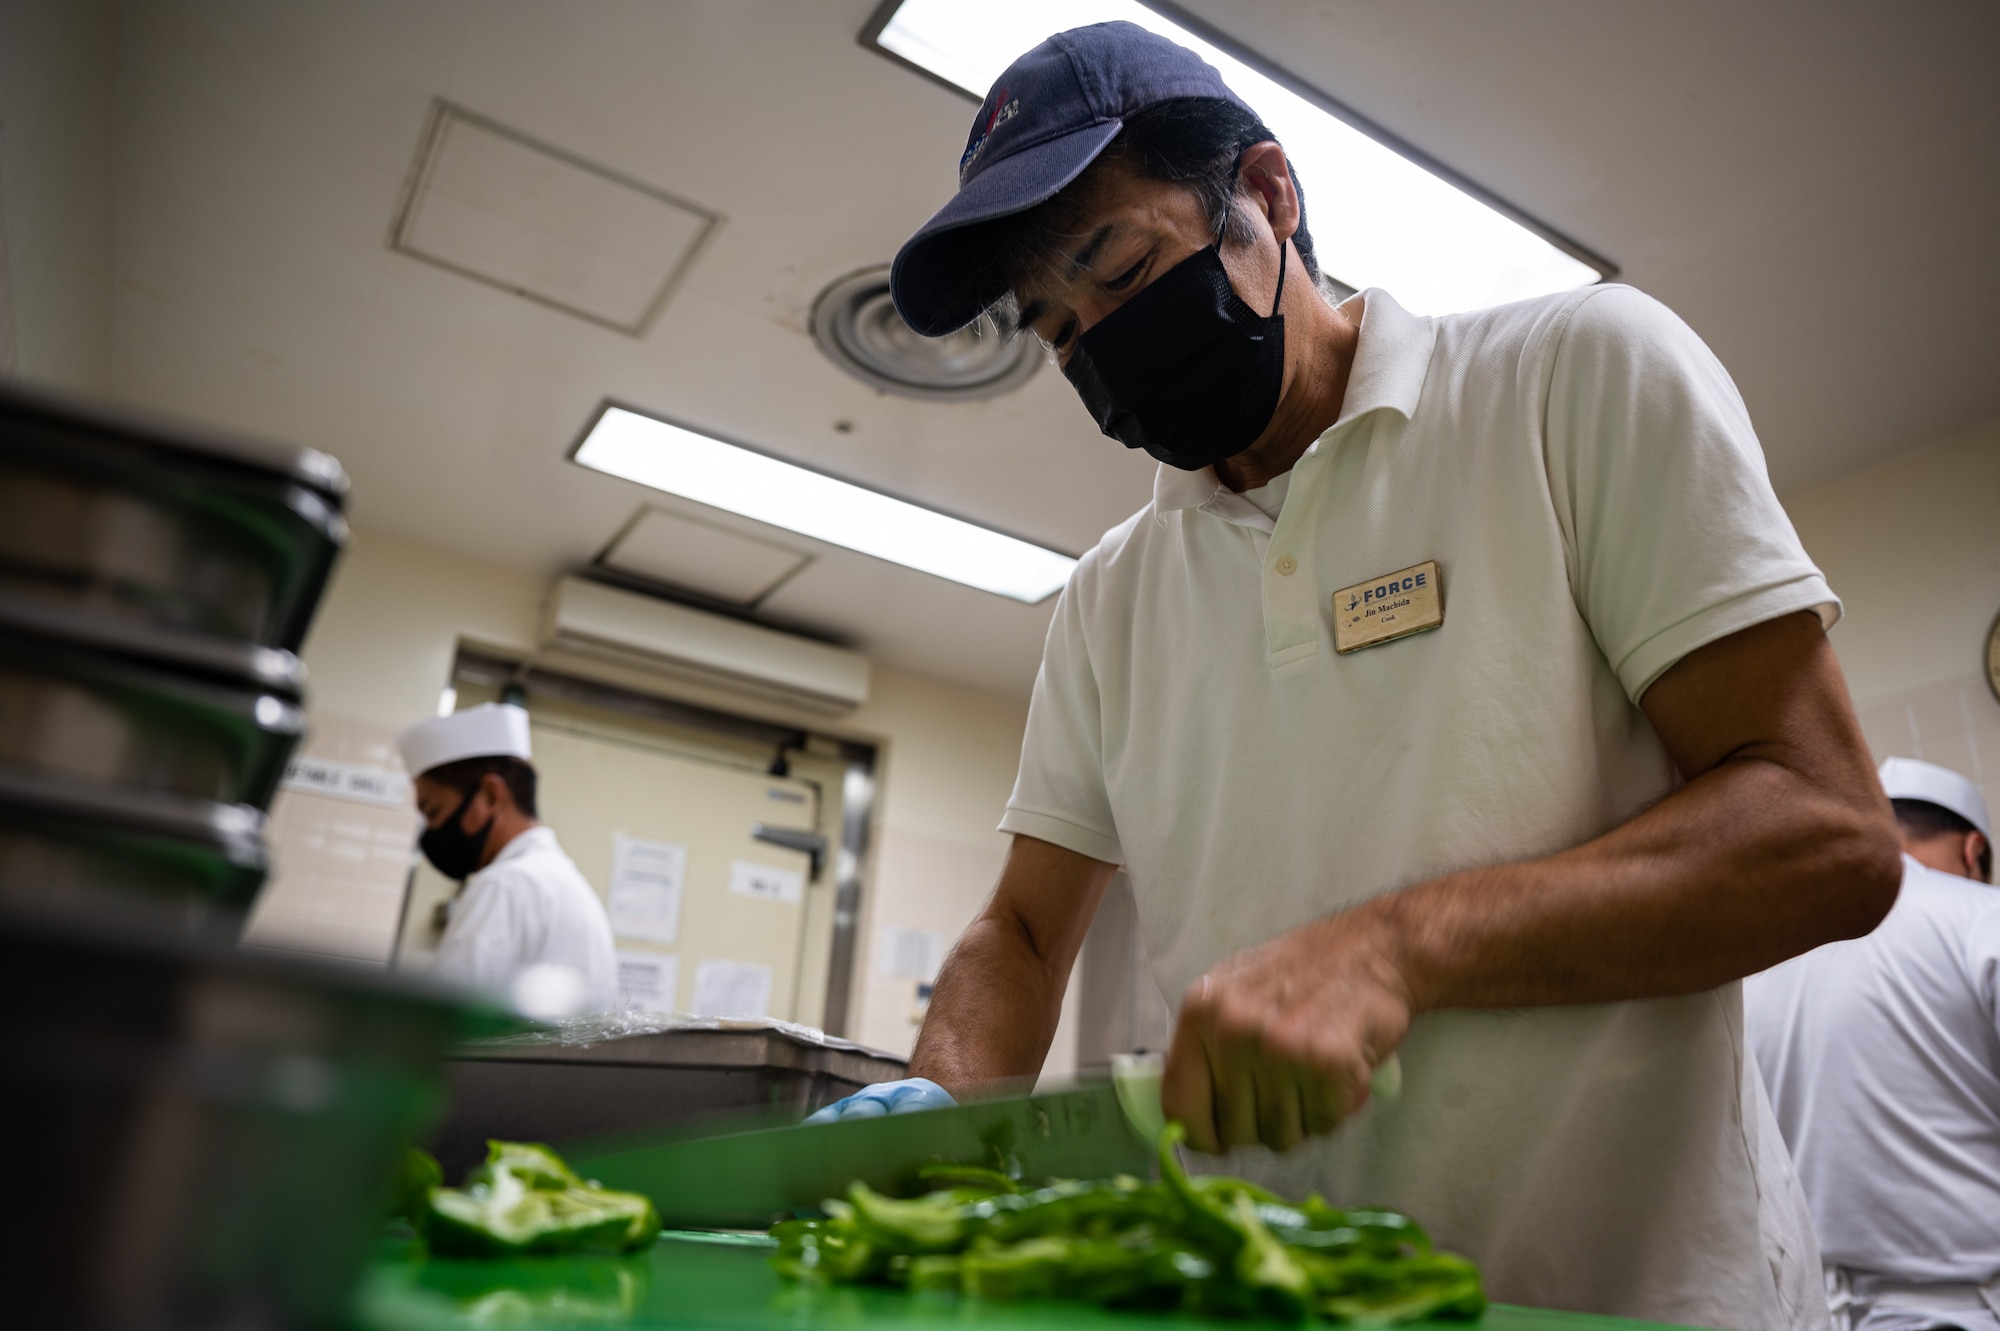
[719, 1282]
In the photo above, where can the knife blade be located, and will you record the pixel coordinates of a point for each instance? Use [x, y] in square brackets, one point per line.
[745, 1180]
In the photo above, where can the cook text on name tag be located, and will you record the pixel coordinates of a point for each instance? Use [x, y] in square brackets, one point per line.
[1392, 606]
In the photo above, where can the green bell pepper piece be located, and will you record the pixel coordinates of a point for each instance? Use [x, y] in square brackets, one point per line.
[1261, 1262]
[941, 1177]
[1209, 1244]
[1032, 1268]
[416, 1174]
[526, 1199]
[921, 1225]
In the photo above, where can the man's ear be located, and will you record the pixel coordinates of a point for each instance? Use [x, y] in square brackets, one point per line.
[494, 787]
[1263, 170]
[1974, 851]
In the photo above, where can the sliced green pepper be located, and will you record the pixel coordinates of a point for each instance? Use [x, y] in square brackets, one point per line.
[922, 1225]
[941, 1176]
[1262, 1263]
[416, 1174]
[526, 1199]
[1208, 1244]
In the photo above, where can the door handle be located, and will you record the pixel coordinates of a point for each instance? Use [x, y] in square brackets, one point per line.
[812, 843]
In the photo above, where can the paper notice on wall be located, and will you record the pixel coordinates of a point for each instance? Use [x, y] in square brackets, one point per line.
[646, 980]
[765, 882]
[732, 989]
[645, 895]
[364, 784]
[911, 954]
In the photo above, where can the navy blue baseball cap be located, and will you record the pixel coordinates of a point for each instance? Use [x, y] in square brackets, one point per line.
[1043, 122]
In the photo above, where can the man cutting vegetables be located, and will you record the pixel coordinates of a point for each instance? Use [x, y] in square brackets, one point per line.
[1463, 692]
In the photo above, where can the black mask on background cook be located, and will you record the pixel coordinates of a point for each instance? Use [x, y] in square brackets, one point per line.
[1184, 369]
[453, 851]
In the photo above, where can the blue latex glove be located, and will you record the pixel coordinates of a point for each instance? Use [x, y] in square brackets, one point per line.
[886, 1097]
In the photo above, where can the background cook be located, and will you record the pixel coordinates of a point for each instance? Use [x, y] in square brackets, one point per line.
[524, 904]
[1882, 1057]
[1535, 846]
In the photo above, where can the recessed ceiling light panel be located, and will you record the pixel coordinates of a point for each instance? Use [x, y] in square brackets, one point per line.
[1379, 217]
[766, 489]
[857, 326]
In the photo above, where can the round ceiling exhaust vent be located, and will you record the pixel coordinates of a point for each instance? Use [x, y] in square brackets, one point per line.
[858, 328]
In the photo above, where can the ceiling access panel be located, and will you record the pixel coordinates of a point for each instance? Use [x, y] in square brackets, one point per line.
[666, 547]
[493, 204]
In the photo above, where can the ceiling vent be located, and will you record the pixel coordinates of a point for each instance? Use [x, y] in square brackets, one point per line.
[858, 328]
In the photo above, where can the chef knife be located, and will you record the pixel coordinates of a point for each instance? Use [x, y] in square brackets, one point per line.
[745, 1180]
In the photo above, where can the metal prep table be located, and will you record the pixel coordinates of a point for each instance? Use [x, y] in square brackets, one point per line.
[561, 1093]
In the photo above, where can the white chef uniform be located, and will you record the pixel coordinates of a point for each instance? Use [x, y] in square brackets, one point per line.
[531, 906]
[1586, 475]
[1882, 1055]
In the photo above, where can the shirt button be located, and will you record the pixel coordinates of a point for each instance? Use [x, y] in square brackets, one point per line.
[1287, 565]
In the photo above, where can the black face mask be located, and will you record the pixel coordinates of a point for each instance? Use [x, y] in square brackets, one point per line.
[453, 851]
[1184, 369]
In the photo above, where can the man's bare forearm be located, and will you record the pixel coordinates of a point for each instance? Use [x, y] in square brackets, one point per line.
[992, 1015]
[999, 996]
[1747, 865]
[1781, 840]
[1781, 843]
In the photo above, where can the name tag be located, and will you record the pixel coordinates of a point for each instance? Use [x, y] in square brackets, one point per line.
[1392, 606]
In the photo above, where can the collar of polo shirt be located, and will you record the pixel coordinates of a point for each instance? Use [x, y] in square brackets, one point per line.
[1390, 362]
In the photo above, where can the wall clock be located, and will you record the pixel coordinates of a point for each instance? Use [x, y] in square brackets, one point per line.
[1993, 658]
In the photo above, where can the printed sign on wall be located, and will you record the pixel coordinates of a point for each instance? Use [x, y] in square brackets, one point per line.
[349, 781]
[911, 954]
[765, 882]
[646, 980]
[644, 900]
[732, 989]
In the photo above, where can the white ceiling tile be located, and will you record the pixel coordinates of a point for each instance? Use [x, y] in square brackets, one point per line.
[496, 205]
[667, 547]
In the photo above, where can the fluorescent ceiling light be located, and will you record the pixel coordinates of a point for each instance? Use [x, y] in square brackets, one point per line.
[1399, 226]
[755, 485]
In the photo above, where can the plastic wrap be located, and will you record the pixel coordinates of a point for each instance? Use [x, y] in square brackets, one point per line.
[597, 1027]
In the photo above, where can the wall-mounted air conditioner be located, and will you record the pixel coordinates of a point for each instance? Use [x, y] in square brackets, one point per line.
[676, 642]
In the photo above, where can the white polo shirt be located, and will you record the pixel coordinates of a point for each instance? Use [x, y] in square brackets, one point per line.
[1585, 474]
[1882, 1056]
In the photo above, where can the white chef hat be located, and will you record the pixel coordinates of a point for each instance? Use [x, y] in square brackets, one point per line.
[1914, 779]
[490, 730]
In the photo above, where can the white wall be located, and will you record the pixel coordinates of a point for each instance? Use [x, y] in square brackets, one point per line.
[339, 863]
[381, 652]
[1912, 547]
[382, 645]
[55, 191]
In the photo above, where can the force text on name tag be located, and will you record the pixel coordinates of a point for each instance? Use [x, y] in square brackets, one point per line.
[1394, 605]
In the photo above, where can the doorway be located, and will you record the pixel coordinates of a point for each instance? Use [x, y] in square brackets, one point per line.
[729, 852]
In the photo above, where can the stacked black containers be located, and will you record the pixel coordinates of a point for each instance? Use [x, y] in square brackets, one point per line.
[154, 588]
[207, 1131]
